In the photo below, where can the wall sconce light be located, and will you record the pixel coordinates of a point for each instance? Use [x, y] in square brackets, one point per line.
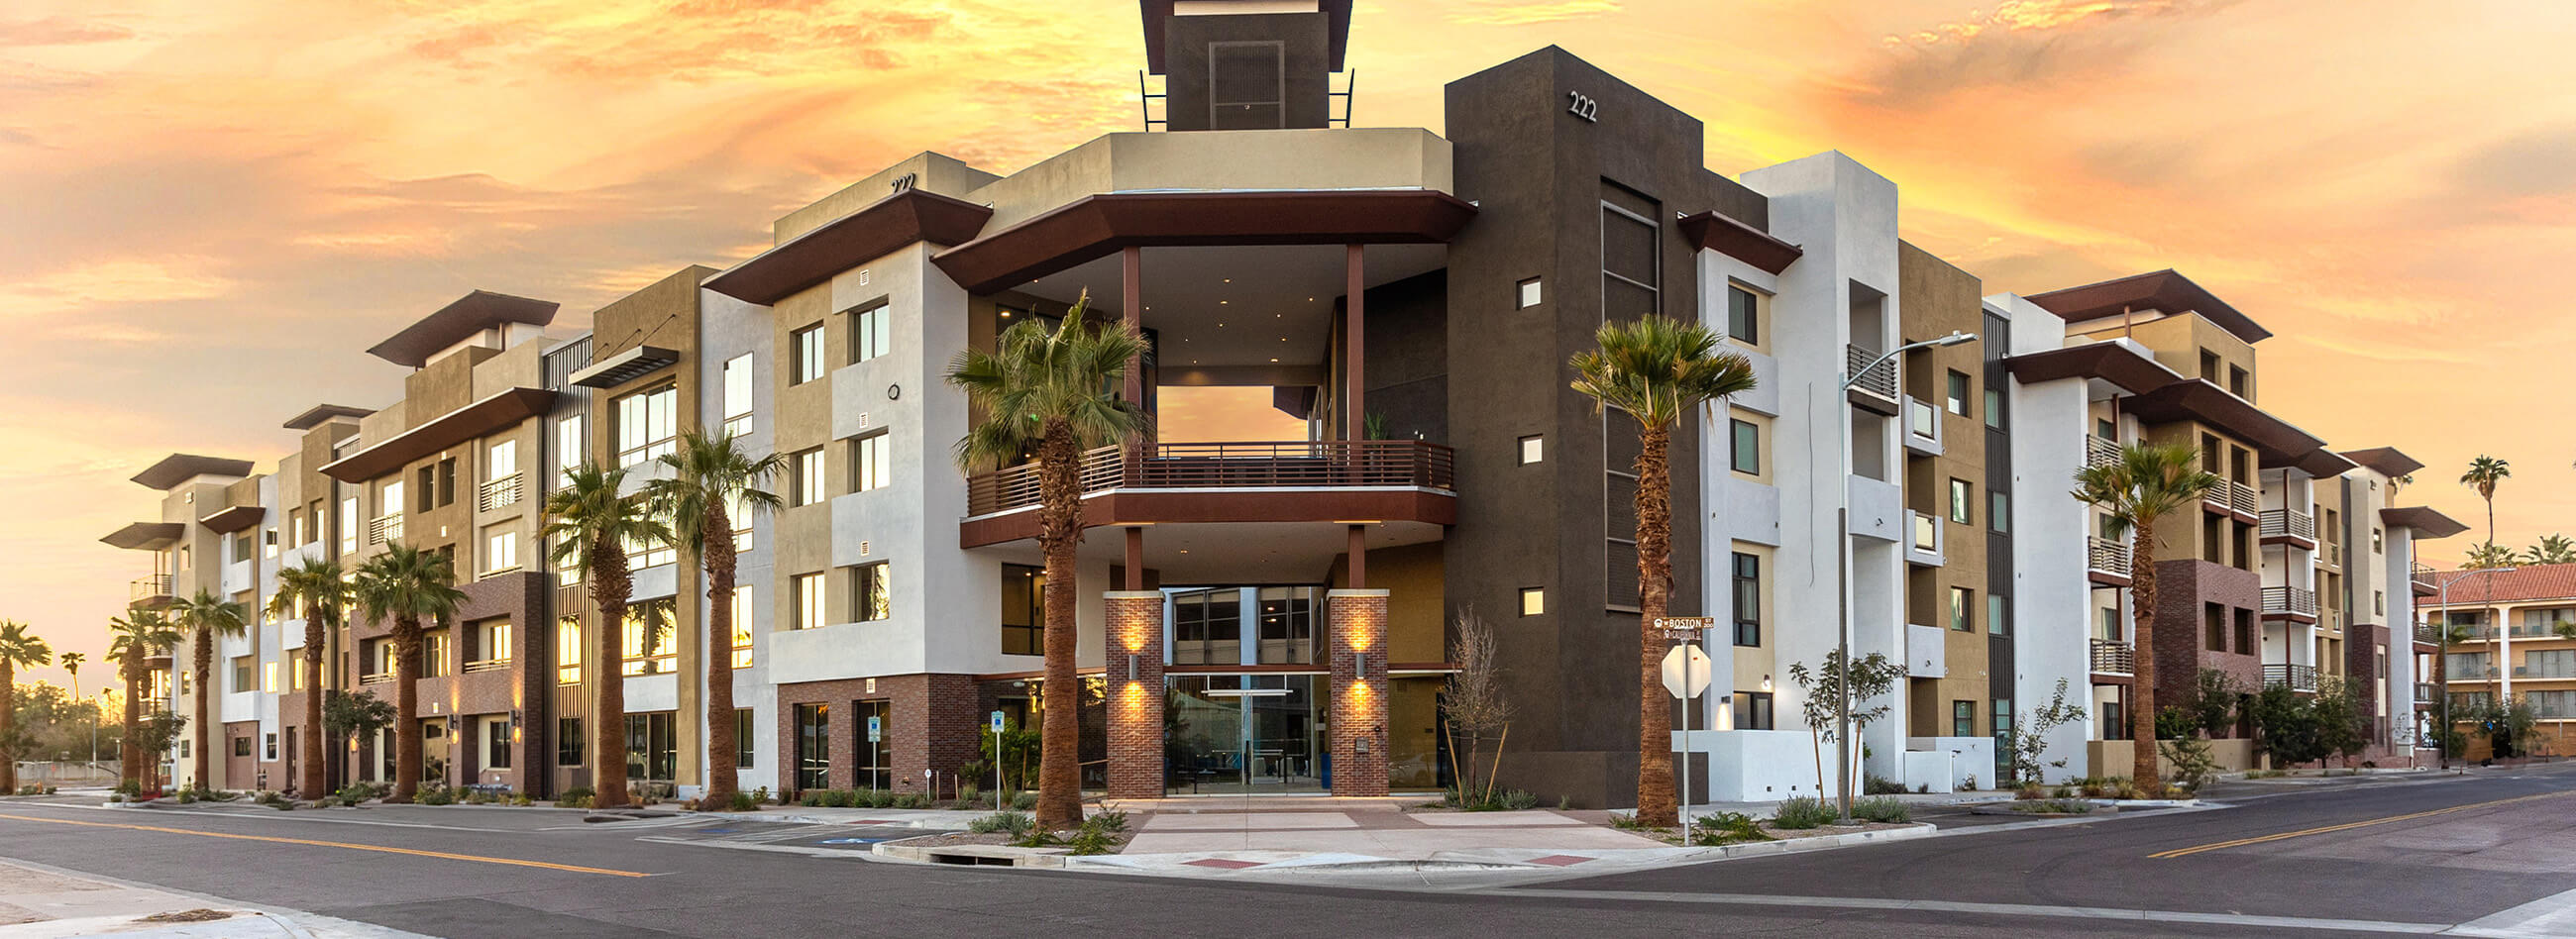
[1766, 682]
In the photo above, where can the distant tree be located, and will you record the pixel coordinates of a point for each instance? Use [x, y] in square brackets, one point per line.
[1826, 697]
[2488, 555]
[18, 649]
[2484, 474]
[2552, 548]
[2028, 742]
[2285, 726]
[2211, 708]
[1474, 703]
[153, 737]
[2343, 721]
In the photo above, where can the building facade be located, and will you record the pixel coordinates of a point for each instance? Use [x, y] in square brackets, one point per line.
[2502, 636]
[1274, 615]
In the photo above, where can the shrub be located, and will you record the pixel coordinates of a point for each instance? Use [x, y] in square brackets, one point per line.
[1629, 822]
[744, 802]
[2193, 763]
[522, 800]
[844, 798]
[879, 798]
[810, 798]
[1111, 822]
[1024, 800]
[2054, 807]
[2062, 792]
[1725, 828]
[1088, 841]
[186, 797]
[438, 795]
[969, 793]
[917, 800]
[1015, 824]
[2030, 791]
[129, 788]
[1880, 809]
[1876, 785]
[577, 797]
[1519, 801]
[1802, 812]
[761, 795]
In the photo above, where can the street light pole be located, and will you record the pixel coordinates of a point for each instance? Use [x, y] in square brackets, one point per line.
[1842, 571]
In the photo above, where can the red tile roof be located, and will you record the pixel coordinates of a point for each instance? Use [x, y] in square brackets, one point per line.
[2531, 582]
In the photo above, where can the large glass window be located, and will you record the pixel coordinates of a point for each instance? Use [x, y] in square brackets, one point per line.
[807, 347]
[1746, 453]
[810, 613]
[437, 652]
[652, 749]
[1207, 627]
[1023, 610]
[1288, 633]
[1743, 319]
[1753, 710]
[871, 333]
[737, 395]
[742, 627]
[647, 423]
[570, 447]
[871, 592]
[871, 463]
[651, 637]
[813, 746]
[568, 650]
[496, 742]
[806, 488]
[1748, 599]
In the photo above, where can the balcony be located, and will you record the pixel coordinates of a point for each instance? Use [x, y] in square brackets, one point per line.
[1875, 389]
[2429, 635]
[384, 528]
[2106, 561]
[149, 590]
[2114, 657]
[376, 678]
[2282, 526]
[2427, 693]
[2291, 602]
[2236, 498]
[2100, 452]
[1922, 427]
[1923, 539]
[1298, 481]
[2295, 677]
[499, 493]
[486, 665]
[2422, 578]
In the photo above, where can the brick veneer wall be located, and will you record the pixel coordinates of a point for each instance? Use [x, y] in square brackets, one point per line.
[2183, 588]
[1135, 692]
[931, 723]
[1358, 650]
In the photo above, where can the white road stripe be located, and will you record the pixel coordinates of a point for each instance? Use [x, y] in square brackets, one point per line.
[2550, 917]
[1992, 909]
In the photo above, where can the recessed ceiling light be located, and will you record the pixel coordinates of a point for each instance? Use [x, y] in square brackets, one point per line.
[1223, 302]
[1229, 280]
[1274, 358]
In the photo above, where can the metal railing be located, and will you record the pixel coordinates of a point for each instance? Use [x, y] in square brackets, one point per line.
[2297, 677]
[149, 587]
[1879, 380]
[384, 528]
[486, 665]
[2245, 500]
[376, 678]
[2100, 452]
[2280, 522]
[2427, 632]
[2296, 600]
[2105, 555]
[498, 493]
[2114, 657]
[2426, 692]
[1259, 465]
[2423, 575]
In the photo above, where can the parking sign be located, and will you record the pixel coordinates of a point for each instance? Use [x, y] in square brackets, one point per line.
[997, 722]
[876, 728]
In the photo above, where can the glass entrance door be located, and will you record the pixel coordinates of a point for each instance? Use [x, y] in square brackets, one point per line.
[1245, 734]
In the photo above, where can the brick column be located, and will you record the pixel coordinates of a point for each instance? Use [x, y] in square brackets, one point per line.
[1358, 728]
[1134, 668]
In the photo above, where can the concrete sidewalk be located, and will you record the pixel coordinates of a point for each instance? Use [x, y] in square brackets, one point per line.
[39, 902]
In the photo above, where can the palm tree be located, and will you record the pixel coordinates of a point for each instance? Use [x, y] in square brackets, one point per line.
[18, 649]
[317, 591]
[1658, 371]
[134, 639]
[2489, 554]
[207, 617]
[406, 587]
[710, 476]
[590, 521]
[2483, 475]
[71, 663]
[1052, 393]
[2146, 482]
[2552, 548]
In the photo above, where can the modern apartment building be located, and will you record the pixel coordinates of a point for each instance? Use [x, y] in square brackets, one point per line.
[2513, 635]
[1273, 614]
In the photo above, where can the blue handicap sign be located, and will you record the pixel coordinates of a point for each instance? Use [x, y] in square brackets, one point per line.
[997, 722]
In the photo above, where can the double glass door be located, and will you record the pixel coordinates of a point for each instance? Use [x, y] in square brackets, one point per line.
[1246, 734]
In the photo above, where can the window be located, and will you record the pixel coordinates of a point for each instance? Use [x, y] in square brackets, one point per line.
[295, 527]
[496, 742]
[871, 463]
[806, 488]
[1995, 408]
[1746, 451]
[569, 447]
[241, 746]
[2379, 603]
[2378, 539]
[1748, 599]
[1533, 601]
[428, 488]
[1753, 710]
[1531, 292]
[1023, 610]
[1962, 508]
[1288, 627]
[743, 751]
[1998, 616]
[2240, 382]
[651, 642]
[809, 602]
[1958, 394]
[502, 460]
[1999, 511]
[1743, 315]
[1533, 450]
[1207, 627]
[437, 654]
[500, 549]
[2103, 428]
[1963, 604]
[491, 640]
[568, 748]
[652, 749]
[806, 345]
[568, 651]
[1247, 85]
[268, 678]
[813, 746]
[389, 498]
[2213, 619]
[737, 395]
[647, 424]
[2209, 366]
[741, 628]
[871, 593]
[268, 543]
[242, 666]
[272, 747]
[2003, 732]
[871, 333]
[641, 554]
[1963, 718]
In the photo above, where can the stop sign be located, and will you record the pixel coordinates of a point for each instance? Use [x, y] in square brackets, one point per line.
[1686, 671]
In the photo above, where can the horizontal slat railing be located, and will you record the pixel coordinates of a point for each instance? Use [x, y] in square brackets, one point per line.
[2280, 522]
[2114, 657]
[1231, 465]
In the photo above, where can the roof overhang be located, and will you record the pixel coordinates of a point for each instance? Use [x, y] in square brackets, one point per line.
[2426, 522]
[457, 321]
[2386, 461]
[147, 536]
[2134, 371]
[233, 518]
[447, 430]
[1159, 12]
[2276, 441]
[320, 414]
[874, 231]
[2164, 291]
[1098, 225]
[181, 467]
[1724, 235]
[624, 367]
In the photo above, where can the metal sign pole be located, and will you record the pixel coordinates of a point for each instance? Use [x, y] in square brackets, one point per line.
[997, 761]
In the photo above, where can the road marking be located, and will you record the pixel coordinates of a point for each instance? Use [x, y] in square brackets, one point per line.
[1990, 909]
[2347, 826]
[2553, 915]
[514, 862]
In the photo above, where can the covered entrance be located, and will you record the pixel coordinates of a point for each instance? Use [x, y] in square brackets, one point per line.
[1246, 734]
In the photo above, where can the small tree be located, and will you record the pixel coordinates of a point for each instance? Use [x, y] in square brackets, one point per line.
[355, 713]
[1872, 676]
[2343, 723]
[1475, 705]
[2510, 726]
[2211, 708]
[2285, 726]
[2027, 746]
[154, 735]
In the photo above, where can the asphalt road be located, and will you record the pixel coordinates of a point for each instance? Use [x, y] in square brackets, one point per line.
[2386, 866]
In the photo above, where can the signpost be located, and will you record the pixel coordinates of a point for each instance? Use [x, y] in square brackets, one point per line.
[997, 756]
[876, 761]
[1686, 674]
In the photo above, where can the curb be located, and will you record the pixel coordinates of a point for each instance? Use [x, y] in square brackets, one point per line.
[973, 855]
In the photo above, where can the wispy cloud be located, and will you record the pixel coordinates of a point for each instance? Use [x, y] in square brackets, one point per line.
[1508, 13]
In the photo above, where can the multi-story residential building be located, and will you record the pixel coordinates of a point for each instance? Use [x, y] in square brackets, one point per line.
[1273, 613]
[2513, 638]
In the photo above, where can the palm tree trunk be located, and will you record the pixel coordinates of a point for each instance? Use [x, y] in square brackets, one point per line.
[1059, 533]
[8, 691]
[315, 782]
[129, 768]
[407, 742]
[609, 585]
[205, 657]
[722, 749]
[1655, 797]
[2142, 616]
[2490, 500]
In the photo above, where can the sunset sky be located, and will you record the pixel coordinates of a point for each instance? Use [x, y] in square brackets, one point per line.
[209, 208]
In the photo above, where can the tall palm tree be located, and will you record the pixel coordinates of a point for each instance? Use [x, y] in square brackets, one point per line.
[2489, 554]
[590, 520]
[1658, 371]
[71, 663]
[406, 587]
[710, 476]
[18, 649]
[207, 617]
[317, 591]
[134, 639]
[2552, 548]
[2483, 475]
[2142, 485]
[1053, 393]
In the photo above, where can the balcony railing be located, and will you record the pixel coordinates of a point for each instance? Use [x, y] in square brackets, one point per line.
[149, 587]
[1293, 465]
[2100, 452]
[2114, 657]
[2422, 576]
[376, 678]
[498, 493]
[486, 665]
[2289, 601]
[2278, 523]
[2426, 692]
[2296, 677]
[384, 528]
[2427, 632]
[2105, 555]
[1879, 380]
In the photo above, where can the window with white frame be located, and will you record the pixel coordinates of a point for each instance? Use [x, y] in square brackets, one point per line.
[500, 549]
[648, 422]
[569, 447]
[871, 333]
[349, 525]
[502, 460]
[737, 395]
[871, 463]
[810, 612]
[807, 346]
[807, 486]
